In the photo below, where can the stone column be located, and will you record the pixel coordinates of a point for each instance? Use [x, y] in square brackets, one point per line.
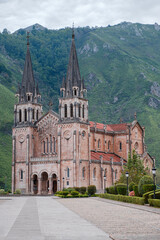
[13, 163]
[32, 186]
[39, 185]
[59, 158]
[27, 167]
[89, 159]
[50, 185]
[79, 155]
[74, 158]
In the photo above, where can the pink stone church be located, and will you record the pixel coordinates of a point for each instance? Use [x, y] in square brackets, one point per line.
[61, 150]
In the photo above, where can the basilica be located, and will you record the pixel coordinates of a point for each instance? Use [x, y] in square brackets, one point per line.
[60, 150]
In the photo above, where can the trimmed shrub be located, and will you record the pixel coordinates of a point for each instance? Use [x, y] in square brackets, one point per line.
[64, 193]
[135, 189]
[18, 191]
[91, 189]
[70, 189]
[75, 193]
[122, 198]
[112, 190]
[131, 185]
[148, 187]
[144, 180]
[121, 189]
[107, 190]
[82, 190]
[157, 195]
[2, 191]
[146, 195]
[77, 189]
[154, 202]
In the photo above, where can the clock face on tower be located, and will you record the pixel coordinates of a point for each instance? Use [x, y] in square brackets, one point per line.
[67, 134]
[21, 138]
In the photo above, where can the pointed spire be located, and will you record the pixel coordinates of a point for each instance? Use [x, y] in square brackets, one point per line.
[73, 78]
[63, 83]
[135, 116]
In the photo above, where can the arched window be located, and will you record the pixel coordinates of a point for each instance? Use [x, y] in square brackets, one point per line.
[68, 173]
[83, 111]
[47, 145]
[94, 173]
[75, 92]
[120, 146]
[44, 147]
[29, 98]
[32, 113]
[54, 144]
[50, 144]
[65, 110]
[20, 115]
[21, 174]
[79, 110]
[37, 115]
[83, 172]
[99, 143]
[109, 145]
[71, 110]
[25, 115]
[136, 146]
[115, 174]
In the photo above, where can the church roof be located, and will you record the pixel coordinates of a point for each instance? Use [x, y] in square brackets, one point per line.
[106, 157]
[110, 127]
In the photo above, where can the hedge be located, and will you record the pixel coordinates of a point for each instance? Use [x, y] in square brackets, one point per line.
[146, 195]
[144, 180]
[82, 190]
[157, 195]
[122, 198]
[91, 189]
[75, 193]
[154, 202]
[131, 185]
[112, 190]
[148, 187]
[121, 189]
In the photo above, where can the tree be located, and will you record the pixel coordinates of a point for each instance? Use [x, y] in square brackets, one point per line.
[135, 169]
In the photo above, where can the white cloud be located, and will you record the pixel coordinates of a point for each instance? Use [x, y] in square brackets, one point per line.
[15, 14]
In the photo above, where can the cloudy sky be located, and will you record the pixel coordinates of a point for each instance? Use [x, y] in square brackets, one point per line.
[54, 14]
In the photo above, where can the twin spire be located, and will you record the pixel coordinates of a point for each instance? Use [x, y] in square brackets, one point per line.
[73, 79]
[28, 91]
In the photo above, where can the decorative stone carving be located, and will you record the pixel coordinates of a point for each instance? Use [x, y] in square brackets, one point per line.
[67, 134]
[21, 138]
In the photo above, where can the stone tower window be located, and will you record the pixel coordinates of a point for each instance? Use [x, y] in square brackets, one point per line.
[109, 145]
[120, 146]
[79, 110]
[68, 172]
[37, 115]
[116, 174]
[50, 144]
[75, 92]
[65, 110]
[83, 112]
[94, 173]
[20, 115]
[71, 110]
[136, 146]
[54, 144]
[47, 145]
[44, 147]
[32, 113]
[21, 174]
[99, 143]
[83, 172]
[25, 115]
[29, 98]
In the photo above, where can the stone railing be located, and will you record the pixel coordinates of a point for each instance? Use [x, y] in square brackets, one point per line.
[44, 159]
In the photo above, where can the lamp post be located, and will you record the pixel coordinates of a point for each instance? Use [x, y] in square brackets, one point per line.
[127, 175]
[104, 177]
[63, 183]
[154, 175]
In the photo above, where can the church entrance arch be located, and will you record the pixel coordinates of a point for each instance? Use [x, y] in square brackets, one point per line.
[35, 184]
[44, 183]
[54, 180]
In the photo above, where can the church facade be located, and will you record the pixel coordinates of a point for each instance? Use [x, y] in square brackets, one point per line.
[56, 151]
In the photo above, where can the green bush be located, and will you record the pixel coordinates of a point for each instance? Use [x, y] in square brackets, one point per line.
[157, 195]
[146, 195]
[154, 202]
[148, 187]
[74, 193]
[77, 189]
[144, 180]
[64, 193]
[131, 185]
[112, 190]
[70, 189]
[135, 189]
[82, 190]
[107, 190]
[122, 198]
[121, 189]
[18, 191]
[83, 195]
[91, 189]
[2, 192]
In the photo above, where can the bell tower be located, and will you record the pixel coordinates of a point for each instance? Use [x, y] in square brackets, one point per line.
[73, 104]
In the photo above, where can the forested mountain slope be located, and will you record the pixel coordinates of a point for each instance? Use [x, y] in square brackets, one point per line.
[120, 64]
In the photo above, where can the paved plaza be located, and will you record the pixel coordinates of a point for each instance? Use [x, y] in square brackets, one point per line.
[42, 218]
